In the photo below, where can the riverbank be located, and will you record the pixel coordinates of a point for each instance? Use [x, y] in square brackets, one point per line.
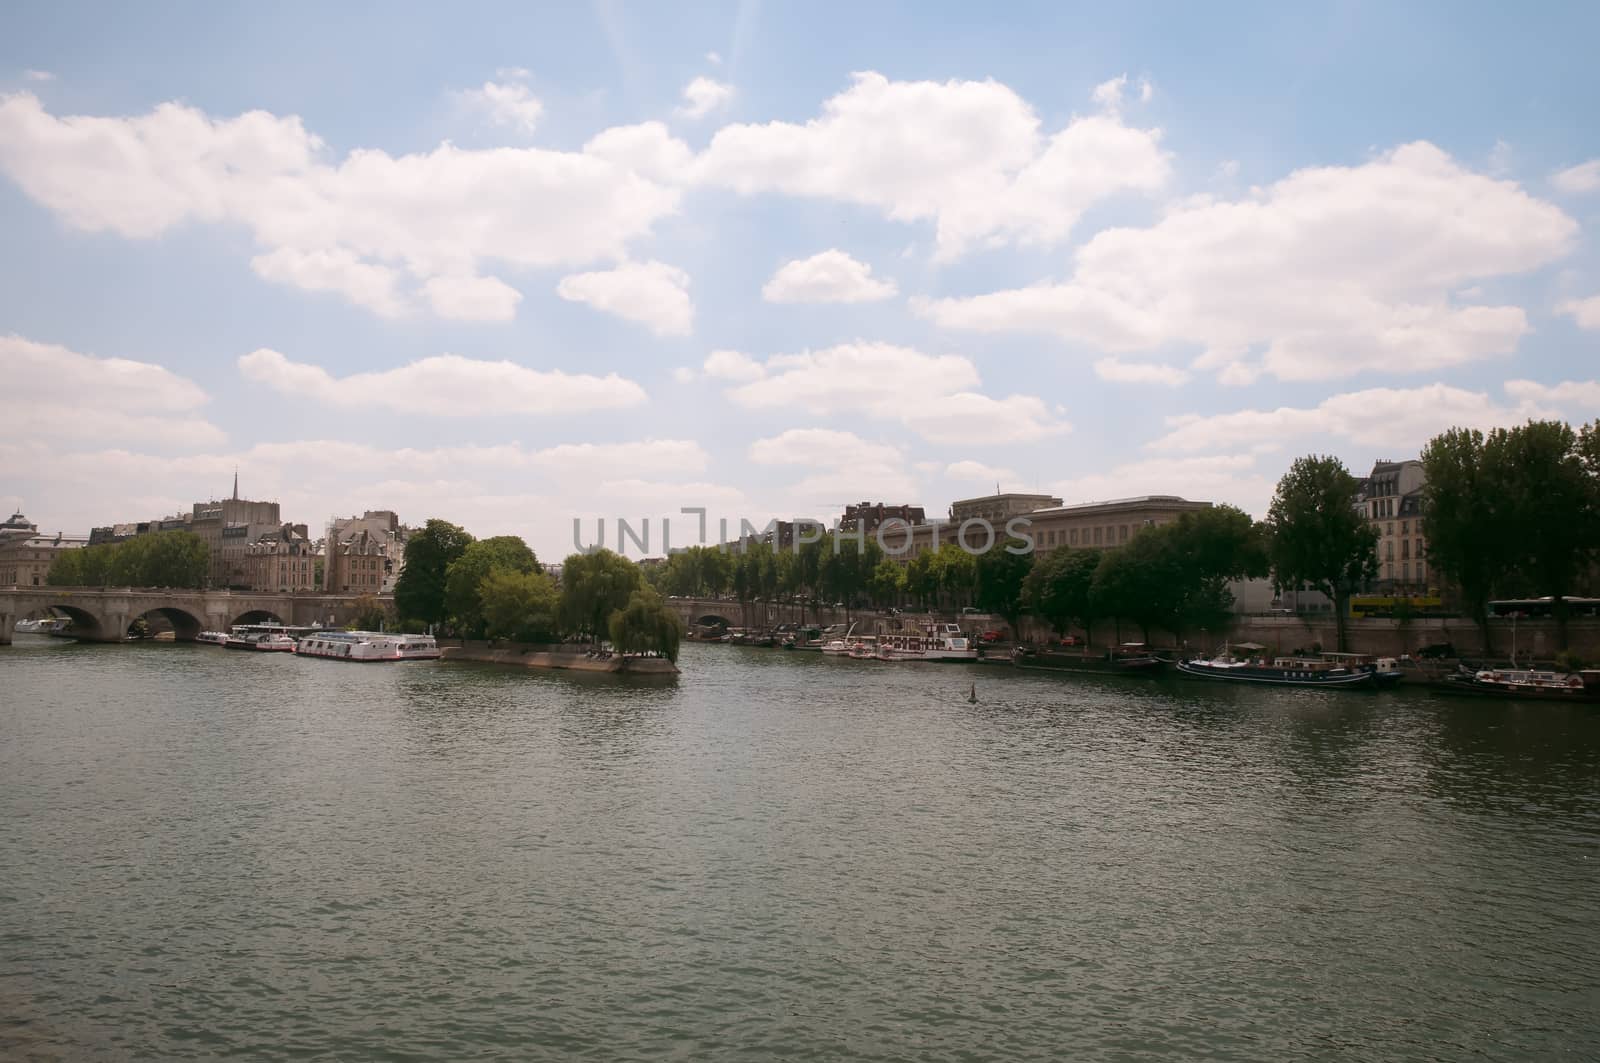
[541, 655]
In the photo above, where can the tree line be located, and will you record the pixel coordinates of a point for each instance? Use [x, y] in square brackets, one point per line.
[159, 559]
[495, 588]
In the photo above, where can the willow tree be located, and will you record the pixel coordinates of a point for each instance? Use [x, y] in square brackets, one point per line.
[646, 625]
[593, 586]
[1319, 539]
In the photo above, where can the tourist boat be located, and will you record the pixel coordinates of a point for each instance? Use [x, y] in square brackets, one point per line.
[936, 642]
[212, 638]
[863, 651]
[272, 643]
[1131, 658]
[39, 627]
[836, 647]
[368, 646]
[1280, 671]
[1386, 670]
[1530, 684]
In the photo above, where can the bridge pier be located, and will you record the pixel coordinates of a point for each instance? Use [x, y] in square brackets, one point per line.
[8, 627]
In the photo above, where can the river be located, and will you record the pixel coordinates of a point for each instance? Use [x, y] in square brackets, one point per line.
[210, 855]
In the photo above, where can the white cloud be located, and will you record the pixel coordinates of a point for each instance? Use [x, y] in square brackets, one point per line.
[507, 103]
[472, 298]
[38, 75]
[930, 394]
[967, 155]
[51, 390]
[732, 365]
[352, 225]
[652, 294]
[1403, 419]
[334, 270]
[831, 276]
[445, 385]
[1115, 369]
[1586, 312]
[683, 374]
[704, 95]
[647, 148]
[977, 470]
[824, 447]
[1233, 479]
[1584, 177]
[713, 58]
[1110, 94]
[1331, 271]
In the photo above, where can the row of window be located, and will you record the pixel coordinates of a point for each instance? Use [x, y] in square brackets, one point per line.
[1109, 535]
[1405, 571]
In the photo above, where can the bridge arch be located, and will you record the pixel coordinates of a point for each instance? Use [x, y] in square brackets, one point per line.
[84, 623]
[185, 625]
[257, 616]
[712, 620]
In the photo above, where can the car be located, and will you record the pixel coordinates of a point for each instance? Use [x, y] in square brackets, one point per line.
[971, 611]
[1070, 640]
[992, 636]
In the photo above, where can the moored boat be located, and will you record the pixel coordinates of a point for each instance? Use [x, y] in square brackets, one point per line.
[936, 642]
[212, 638]
[367, 646]
[42, 626]
[272, 643]
[1280, 671]
[1522, 684]
[1131, 658]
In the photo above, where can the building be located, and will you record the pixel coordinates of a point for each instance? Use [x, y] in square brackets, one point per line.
[1096, 525]
[999, 508]
[26, 555]
[1391, 499]
[284, 560]
[117, 533]
[228, 527]
[365, 554]
[870, 515]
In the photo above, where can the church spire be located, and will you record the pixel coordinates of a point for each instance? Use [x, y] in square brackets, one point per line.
[236, 483]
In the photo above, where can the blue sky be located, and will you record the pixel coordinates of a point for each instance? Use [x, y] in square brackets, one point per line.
[618, 259]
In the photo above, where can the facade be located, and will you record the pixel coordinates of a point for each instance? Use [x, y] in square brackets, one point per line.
[228, 527]
[284, 560]
[365, 554]
[999, 508]
[1391, 499]
[26, 555]
[116, 533]
[1096, 525]
[869, 515]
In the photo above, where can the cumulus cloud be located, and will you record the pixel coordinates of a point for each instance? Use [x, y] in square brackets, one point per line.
[829, 277]
[967, 155]
[1123, 372]
[506, 103]
[446, 385]
[50, 388]
[356, 226]
[1584, 177]
[704, 95]
[1399, 418]
[652, 294]
[1330, 271]
[930, 394]
[732, 365]
[38, 75]
[977, 470]
[822, 446]
[1234, 479]
[1586, 312]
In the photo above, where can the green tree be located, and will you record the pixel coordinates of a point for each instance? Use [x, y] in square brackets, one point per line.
[464, 577]
[1001, 575]
[1465, 514]
[368, 614]
[519, 605]
[646, 625]
[1060, 588]
[888, 583]
[593, 586]
[1142, 582]
[420, 591]
[1319, 539]
[958, 571]
[922, 578]
[159, 559]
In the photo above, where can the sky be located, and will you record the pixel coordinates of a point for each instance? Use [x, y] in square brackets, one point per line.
[519, 265]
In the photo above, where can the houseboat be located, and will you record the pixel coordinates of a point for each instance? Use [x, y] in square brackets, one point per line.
[368, 646]
[212, 638]
[1523, 684]
[936, 642]
[1131, 658]
[1280, 671]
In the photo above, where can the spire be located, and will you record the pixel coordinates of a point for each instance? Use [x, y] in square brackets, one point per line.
[236, 483]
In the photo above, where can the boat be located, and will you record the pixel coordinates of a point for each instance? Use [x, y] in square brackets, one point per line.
[1280, 671]
[213, 638]
[272, 643]
[368, 646]
[863, 651]
[1523, 684]
[1386, 670]
[936, 642]
[1131, 658]
[836, 647]
[42, 626]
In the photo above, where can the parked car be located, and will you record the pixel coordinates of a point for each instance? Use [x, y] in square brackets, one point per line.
[992, 636]
[971, 611]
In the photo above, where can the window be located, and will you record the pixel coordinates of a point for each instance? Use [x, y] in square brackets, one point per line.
[1405, 527]
[1405, 549]
[1097, 536]
[1388, 529]
[1122, 534]
[1405, 571]
[1074, 536]
[1388, 554]
[1421, 572]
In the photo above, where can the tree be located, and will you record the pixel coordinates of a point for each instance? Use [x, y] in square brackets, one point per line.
[922, 578]
[420, 591]
[957, 571]
[1142, 582]
[519, 605]
[593, 586]
[1060, 588]
[1552, 512]
[159, 559]
[464, 577]
[646, 625]
[1466, 538]
[367, 614]
[1318, 536]
[1000, 576]
[888, 583]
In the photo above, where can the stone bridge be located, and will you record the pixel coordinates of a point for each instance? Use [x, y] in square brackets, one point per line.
[104, 614]
[711, 611]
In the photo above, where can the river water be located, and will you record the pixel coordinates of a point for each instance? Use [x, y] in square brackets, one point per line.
[209, 855]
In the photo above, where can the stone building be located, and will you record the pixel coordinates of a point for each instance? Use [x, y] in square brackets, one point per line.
[365, 554]
[1391, 499]
[999, 508]
[1051, 524]
[26, 555]
[870, 515]
[284, 560]
[228, 527]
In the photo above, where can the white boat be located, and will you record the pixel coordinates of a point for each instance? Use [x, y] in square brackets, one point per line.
[368, 646]
[213, 638]
[836, 647]
[936, 642]
[862, 651]
[37, 627]
[272, 643]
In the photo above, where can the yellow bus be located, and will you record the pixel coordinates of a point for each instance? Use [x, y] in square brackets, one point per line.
[1382, 606]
